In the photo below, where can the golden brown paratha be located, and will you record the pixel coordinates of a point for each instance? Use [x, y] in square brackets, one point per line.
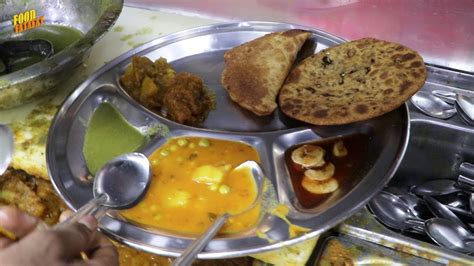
[351, 82]
[255, 71]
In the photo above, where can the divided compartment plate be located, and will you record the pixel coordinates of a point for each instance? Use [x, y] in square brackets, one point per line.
[200, 51]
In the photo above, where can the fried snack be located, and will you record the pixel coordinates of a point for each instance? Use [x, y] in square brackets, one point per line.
[30, 194]
[351, 82]
[255, 71]
[30, 137]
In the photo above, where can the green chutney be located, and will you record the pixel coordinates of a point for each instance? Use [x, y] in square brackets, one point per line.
[109, 135]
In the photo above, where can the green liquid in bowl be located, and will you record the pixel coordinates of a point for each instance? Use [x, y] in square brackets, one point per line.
[59, 36]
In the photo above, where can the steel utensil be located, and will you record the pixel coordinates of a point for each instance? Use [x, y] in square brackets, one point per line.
[450, 235]
[119, 184]
[441, 211]
[436, 187]
[464, 117]
[191, 251]
[467, 105]
[392, 211]
[447, 96]
[415, 204]
[6, 147]
[21, 50]
[432, 105]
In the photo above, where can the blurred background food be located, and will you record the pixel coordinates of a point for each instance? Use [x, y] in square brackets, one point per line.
[71, 27]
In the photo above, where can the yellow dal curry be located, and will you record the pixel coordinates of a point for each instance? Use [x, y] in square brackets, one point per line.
[194, 182]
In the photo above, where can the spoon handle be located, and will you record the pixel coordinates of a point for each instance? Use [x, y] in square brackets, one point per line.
[470, 239]
[415, 222]
[94, 207]
[192, 250]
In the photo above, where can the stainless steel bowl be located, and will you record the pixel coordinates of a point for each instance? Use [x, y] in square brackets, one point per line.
[91, 17]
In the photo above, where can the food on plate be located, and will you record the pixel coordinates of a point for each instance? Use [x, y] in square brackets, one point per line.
[33, 195]
[186, 101]
[297, 254]
[30, 141]
[181, 97]
[316, 186]
[194, 181]
[309, 156]
[107, 136]
[351, 82]
[36, 196]
[339, 149]
[314, 183]
[321, 173]
[255, 71]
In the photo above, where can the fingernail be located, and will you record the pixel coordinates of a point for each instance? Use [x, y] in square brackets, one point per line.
[29, 219]
[89, 221]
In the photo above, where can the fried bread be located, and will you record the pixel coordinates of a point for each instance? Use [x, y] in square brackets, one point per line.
[255, 71]
[354, 81]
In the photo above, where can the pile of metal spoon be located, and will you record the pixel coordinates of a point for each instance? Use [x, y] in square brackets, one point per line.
[442, 209]
[445, 104]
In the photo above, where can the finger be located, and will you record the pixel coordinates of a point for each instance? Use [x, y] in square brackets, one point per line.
[5, 242]
[17, 222]
[105, 253]
[66, 242]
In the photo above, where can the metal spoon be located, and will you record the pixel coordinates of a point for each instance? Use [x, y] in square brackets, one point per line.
[464, 117]
[119, 184]
[436, 187]
[450, 235]
[6, 147]
[191, 252]
[394, 212]
[415, 204]
[467, 105]
[447, 96]
[432, 105]
[441, 211]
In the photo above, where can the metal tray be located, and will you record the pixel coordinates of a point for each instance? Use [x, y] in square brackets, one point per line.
[437, 147]
[200, 51]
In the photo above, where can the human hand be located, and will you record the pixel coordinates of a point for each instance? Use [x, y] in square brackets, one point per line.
[61, 246]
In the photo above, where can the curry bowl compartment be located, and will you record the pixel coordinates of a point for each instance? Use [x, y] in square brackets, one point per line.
[372, 136]
[154, 150]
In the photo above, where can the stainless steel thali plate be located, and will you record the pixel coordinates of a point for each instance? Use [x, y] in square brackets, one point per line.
[200, 51]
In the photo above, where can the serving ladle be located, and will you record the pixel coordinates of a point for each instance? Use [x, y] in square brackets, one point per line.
[432, 105]
[11, 51]
[448, 234]
[6, 147]
[119, 184]
[192, 250]
[392, 211]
